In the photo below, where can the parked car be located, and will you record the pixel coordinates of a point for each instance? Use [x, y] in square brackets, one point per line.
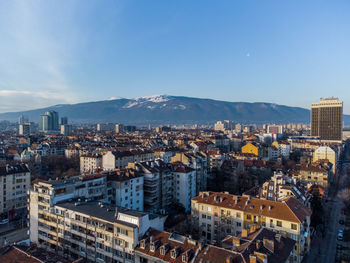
[339, 246]
[340, 235]
[4, 221]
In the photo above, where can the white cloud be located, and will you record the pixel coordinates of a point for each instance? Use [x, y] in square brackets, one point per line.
[35, 62]
[25, 100]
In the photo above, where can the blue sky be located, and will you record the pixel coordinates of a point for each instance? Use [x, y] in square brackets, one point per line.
[285, 52]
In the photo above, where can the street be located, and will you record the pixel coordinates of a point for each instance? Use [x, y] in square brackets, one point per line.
[323, 247]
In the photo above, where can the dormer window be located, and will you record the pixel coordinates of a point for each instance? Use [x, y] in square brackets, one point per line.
[184, 258]
[162, 250]
[152, 248]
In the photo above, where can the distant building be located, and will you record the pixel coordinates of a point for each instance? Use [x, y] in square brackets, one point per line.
[49, 121]
[327, 119]
[22, 119]
[224, 125]
[26, 129]
[66, 129]
[105, 127]
[275, 129]
[64, 120]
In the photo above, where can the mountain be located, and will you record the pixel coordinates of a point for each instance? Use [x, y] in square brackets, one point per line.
[163, 109]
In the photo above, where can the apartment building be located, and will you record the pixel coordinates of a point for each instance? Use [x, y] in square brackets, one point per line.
[90, 163]
[283, 148]
[326, 153]
[312, 174]
[216, 215]
[120, 159]
[158, 184]
[258, 245]
[14, 185]
[199, 163]
[91, 230]
[184, 184]
[280, 187]
[125, 189]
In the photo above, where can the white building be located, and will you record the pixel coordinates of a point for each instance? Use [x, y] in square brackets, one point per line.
[14, 185]
[90, 163]
[184, 184]
[125, 189]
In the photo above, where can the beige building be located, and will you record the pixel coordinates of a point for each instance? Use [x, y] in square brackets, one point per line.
[70, 219]
[312, 174]
[14, 184]
[217, 215]
[325, 153]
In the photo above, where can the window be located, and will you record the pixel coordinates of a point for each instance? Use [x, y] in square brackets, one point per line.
[294, 226]
[249, 217]
[204, 216]
[238, 215]
[238, 224]
[279, 223]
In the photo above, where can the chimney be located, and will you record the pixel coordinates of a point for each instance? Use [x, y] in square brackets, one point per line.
[278, 237]
[269, 244]
[236, 241]
[244, 233]
[258, 244]
[252, 259]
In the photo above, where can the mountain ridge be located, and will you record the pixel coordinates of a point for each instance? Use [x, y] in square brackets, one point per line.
[166, 109]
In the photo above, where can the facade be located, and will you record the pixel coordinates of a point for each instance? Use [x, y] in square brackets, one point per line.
[49, 121]
[275, 129]
[327, 119]
[64, 120]
[312, 174]
[281, 187]
[216, 215]
[283, 148]
[14, 184]
[158, 184]
[89, 230]
[325, 153]
[90, 163]
[105, 127]
[25, 129]
[184, 184]
[120, 159]
[125, 189]
[66, 129]
[199, 163]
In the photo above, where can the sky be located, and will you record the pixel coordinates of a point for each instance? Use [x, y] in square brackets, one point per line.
[286, 52]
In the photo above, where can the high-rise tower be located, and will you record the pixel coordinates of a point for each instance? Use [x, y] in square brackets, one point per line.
[327, 119]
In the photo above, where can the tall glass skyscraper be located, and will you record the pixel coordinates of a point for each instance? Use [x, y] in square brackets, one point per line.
[49, 121]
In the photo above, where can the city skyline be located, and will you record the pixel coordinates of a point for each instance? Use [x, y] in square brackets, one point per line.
[290, 54]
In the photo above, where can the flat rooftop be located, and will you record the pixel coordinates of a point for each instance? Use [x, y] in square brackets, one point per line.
[105, 212]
